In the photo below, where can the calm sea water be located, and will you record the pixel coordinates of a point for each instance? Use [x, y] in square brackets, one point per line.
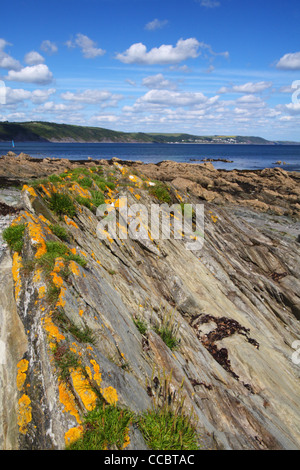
[244, 157]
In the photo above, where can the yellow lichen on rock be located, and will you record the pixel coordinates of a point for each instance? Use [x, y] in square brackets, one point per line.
[16, 266]
[83, 389]
[52, 330]
[73, 434]
[68, 400]
[110, 395]
[24, 413]
[22, 367]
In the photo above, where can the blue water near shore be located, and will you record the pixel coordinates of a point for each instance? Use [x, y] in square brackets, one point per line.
[244, 157]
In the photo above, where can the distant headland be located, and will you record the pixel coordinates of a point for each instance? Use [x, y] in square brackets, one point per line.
[39, 131]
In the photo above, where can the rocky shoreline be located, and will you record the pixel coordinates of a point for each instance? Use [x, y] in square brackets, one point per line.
[233, 306]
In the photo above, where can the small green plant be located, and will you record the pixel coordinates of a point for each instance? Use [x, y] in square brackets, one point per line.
[166, 426]
[164, 430]
[105, 427]
[65, 360]
[161, 192]
[140, 324]
[86, 182]
[97, 198]
[54, 179]
[82, 334]
[168, 330]
[13, 236]
[59, 231]
[62, 204]
[84, 201]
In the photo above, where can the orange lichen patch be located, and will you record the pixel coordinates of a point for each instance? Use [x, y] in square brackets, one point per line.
[52, 330]
[74, 268]
[138, 197]
[37, 276]
[68, 400]
[59, 264]
[81, 312]
[97, 374]
[127, 439]
[46, 190]
[16, 266]
[57, 280]
[43, 219]
[42, 292]
[83, 388]
[110, 395]
[105, 233]
[61, 301]
[73, 434]
[24, 413]
[30, 190]
[214, 218]
[81, 191]
[21, 375]
[83, 254]
[70, 222]
[37, 238]
[120, 202]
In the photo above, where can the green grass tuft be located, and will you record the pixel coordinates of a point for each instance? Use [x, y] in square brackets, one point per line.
[105, 427]
[13, 236]
[62, 204]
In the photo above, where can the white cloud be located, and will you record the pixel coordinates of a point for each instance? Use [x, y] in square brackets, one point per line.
[173, 98]
[19, 95]
[93, 97]
[210, 3]
[87, 46]
[289, 62]
[39, 96]
[156, 24]
[33, 58]
[158, 82]
[249, 87]
[165, 54]
[6, 61]
[39, 74]
[49, 47]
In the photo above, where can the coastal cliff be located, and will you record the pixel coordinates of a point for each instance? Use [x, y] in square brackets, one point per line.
[84, 318]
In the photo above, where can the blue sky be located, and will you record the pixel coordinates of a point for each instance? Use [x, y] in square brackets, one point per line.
[223, 67]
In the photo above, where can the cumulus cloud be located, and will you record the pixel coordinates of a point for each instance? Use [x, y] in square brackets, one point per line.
[49, 47]
[39, 74]
[19, 95]
[88, 46]
[165, 54]
[289, 62]
[247, 88]
[173, 98]
[156, 24]
[33, 58]
[6, 61]
[158, 82]
[102, 97]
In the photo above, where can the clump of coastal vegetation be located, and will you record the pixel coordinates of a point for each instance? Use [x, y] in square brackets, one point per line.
[13, 236]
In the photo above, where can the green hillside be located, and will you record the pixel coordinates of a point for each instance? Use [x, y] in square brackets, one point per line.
[38, 131]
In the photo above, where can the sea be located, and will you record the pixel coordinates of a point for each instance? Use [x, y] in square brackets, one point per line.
[242, 157]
